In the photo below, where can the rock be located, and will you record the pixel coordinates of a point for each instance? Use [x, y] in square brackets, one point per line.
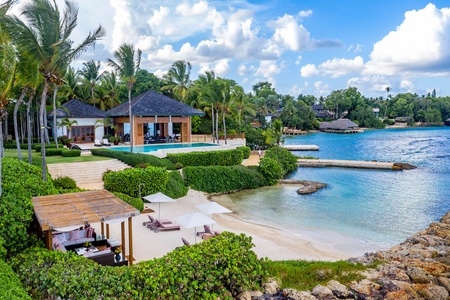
[445, 282]
[338, 289]
[431, 292]
[321, 292]
[364, 287]
[271, 287]
[244, 296]
[293, 294]
[419, 275]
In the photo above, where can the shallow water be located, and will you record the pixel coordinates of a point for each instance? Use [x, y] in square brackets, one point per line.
[376, 208]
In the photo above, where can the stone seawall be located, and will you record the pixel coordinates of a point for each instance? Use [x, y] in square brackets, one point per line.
[358, 164]
[418, 268]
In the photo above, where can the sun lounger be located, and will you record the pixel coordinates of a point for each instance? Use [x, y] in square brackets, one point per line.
[152, 221]
[97, 143]
[106, 142]
[207, 231]
[73, 146]
[165, 227]
[185, 242]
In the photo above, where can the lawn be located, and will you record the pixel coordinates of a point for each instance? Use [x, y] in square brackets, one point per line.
[54, 159]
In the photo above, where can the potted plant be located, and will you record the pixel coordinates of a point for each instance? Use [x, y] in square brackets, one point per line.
[115, 140]
[117, 252]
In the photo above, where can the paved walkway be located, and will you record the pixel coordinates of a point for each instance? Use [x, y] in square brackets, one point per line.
[253, 160]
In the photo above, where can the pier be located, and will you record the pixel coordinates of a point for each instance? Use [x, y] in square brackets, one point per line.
[301, 147]
[358, 164]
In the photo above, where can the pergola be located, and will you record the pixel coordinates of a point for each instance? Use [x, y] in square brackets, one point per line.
[78, 209]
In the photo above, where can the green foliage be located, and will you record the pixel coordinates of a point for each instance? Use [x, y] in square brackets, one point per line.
[10, 286]
[53, 151]
[65, 183]
[218, 268]
[37, 147]
[304, 275]
[208, 158]
[71, 153]
[246, 151]
[130, 181]
[133, 159]
[254, 138]
[136, 202]
[287, 160]
[388, 121]
[271, 169]
[214, 179]
[175, 187]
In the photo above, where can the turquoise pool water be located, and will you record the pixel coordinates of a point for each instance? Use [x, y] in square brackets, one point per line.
[378, 208]
[156, 147]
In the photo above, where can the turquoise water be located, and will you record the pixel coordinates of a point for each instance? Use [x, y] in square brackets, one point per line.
[378, 208]
[151, 148]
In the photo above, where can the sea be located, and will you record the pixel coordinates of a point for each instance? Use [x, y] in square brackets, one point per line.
[374, 208]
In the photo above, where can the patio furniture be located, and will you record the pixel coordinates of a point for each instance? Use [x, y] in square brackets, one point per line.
[97, 143]
[106, 142]
[165, 227]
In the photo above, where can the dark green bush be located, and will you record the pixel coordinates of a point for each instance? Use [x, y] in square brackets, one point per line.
[130, 181]
[218, 268]
[14, 146]
[271, 169]
[10, 286]
[37, 147]
[136, 202]
[175, 187]
[286, 159]
[53, 151]
[65, 183]
[208, 158]
[388, 121]
[246, 151]
[216, 179]
[134, 159]
[71, 153]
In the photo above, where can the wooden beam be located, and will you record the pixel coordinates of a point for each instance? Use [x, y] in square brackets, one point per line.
[103, 228]
[122, 225]
[107, 231]
[48, 240]
[130, 241]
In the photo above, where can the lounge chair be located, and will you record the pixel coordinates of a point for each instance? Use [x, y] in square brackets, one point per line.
[106, 142]
[165, 227]
[185, 242]
[207, 231]
[152, 222]
[97, 143]
[73, 146]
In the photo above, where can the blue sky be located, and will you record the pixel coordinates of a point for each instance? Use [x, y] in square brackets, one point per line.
[300, 46]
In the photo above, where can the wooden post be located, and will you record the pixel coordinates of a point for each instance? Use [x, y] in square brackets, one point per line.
[103, 228]
[107, 231]
[48, 240]
[123, 236]
[130, 240]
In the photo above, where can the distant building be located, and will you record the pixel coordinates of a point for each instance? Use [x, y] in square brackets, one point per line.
[269, 117]
[376, 112]
[340, 126]
[447, 122]
[401, 119]
[321, 112]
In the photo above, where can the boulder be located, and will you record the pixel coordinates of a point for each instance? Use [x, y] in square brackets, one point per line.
[431, 292]
[419, 275]
[322, 292]
[271, 287]
[292, 294]
[364, 287]
[338, 289]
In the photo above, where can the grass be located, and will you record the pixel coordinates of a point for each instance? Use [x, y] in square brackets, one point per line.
[304, 275]
[36, 156]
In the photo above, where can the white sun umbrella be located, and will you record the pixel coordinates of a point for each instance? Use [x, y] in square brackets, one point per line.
[213, 208]
[193, 220]
[158, 198]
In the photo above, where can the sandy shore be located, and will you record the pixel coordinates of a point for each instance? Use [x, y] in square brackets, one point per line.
[271, 242]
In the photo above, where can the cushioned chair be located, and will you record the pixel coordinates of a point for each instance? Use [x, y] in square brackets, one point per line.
[165, 227]
[106, 142]
[97, 143]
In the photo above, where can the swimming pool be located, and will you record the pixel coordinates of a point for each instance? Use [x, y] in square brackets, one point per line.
[152, 148]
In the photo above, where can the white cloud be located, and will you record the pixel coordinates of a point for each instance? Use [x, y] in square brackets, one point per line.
[407, 86]
[299, 60]
[370, 84]
[338, 67]
[309, 70]
[321, 88]
[355, 48]
[305, 13]
[244, 70]
[268, 70]
[289, 34]
[420, 45]
[221, 68]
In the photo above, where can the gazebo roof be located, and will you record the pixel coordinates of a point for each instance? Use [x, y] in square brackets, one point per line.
[65, 210]
[340, 124]
[152, 103]
[78, 109]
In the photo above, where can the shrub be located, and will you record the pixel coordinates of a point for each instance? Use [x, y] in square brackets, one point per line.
[271, 169]
[130, 181]
[218, 268]
[37, 147]
[53, 151]
[10, 286]
[71, 153]
[388, 121]
[286, 159]
[245, 151]
[225, 178]
[65, 183]
[136, 202]
[208, 158]
[133, 159]
[175, 187]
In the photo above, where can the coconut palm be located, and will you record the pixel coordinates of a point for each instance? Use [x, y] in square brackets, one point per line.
[274, 134]
[127, 65]
[65, 122]
[71, 88]
[207, 95]
[111, 86]
[177, 79]
[91, 75]
[45, 36]
[242, 103]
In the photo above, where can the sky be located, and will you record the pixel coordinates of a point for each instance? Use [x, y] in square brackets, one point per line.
[309, 47]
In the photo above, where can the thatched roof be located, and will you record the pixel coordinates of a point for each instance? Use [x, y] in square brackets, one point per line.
[77, 209]
[77, 109]
[340, 124]
[151, 103]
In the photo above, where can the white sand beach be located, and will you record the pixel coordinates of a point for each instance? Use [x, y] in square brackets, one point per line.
[273, 243]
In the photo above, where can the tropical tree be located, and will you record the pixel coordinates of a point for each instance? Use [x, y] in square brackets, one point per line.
[71, 87]
[45, 37]
[178, 79]
[274, 134]
[242, 104]
[110, 84]
[91, 75]
[208, 93]
[66, 122]
[127, 65]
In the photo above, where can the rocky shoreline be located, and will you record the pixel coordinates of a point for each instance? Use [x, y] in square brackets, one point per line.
[418, 268]
[308, 187]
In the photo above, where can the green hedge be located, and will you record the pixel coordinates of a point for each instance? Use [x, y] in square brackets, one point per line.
[216, 179]
[71, 153]
[286, 159]
[218, 268]
[130, 181]
[271, 169]
[53, 151]
[136, 202]
[208, 158]
[134, 159]
[65, 183]
[10, 286]
[246, 151]
[37, 147]
[175, 187]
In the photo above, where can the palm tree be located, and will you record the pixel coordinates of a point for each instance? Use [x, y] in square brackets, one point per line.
[388, 89]
[91, 75]
[65, 122]
[71, 87]
[242, 103]
[274, 134]
[177, 79]
[207, 95]
[127, 65]
[111, 86]
[46, 38]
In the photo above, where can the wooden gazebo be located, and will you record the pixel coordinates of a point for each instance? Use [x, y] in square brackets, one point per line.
[78, 209]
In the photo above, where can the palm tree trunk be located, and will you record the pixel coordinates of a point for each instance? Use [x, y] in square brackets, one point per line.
[217, 126]
[29, 137]
[224, 128]
[16, 127]
[212, 115]
[42, 126]
[55, 138]
[3, 113]
[131, 120]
